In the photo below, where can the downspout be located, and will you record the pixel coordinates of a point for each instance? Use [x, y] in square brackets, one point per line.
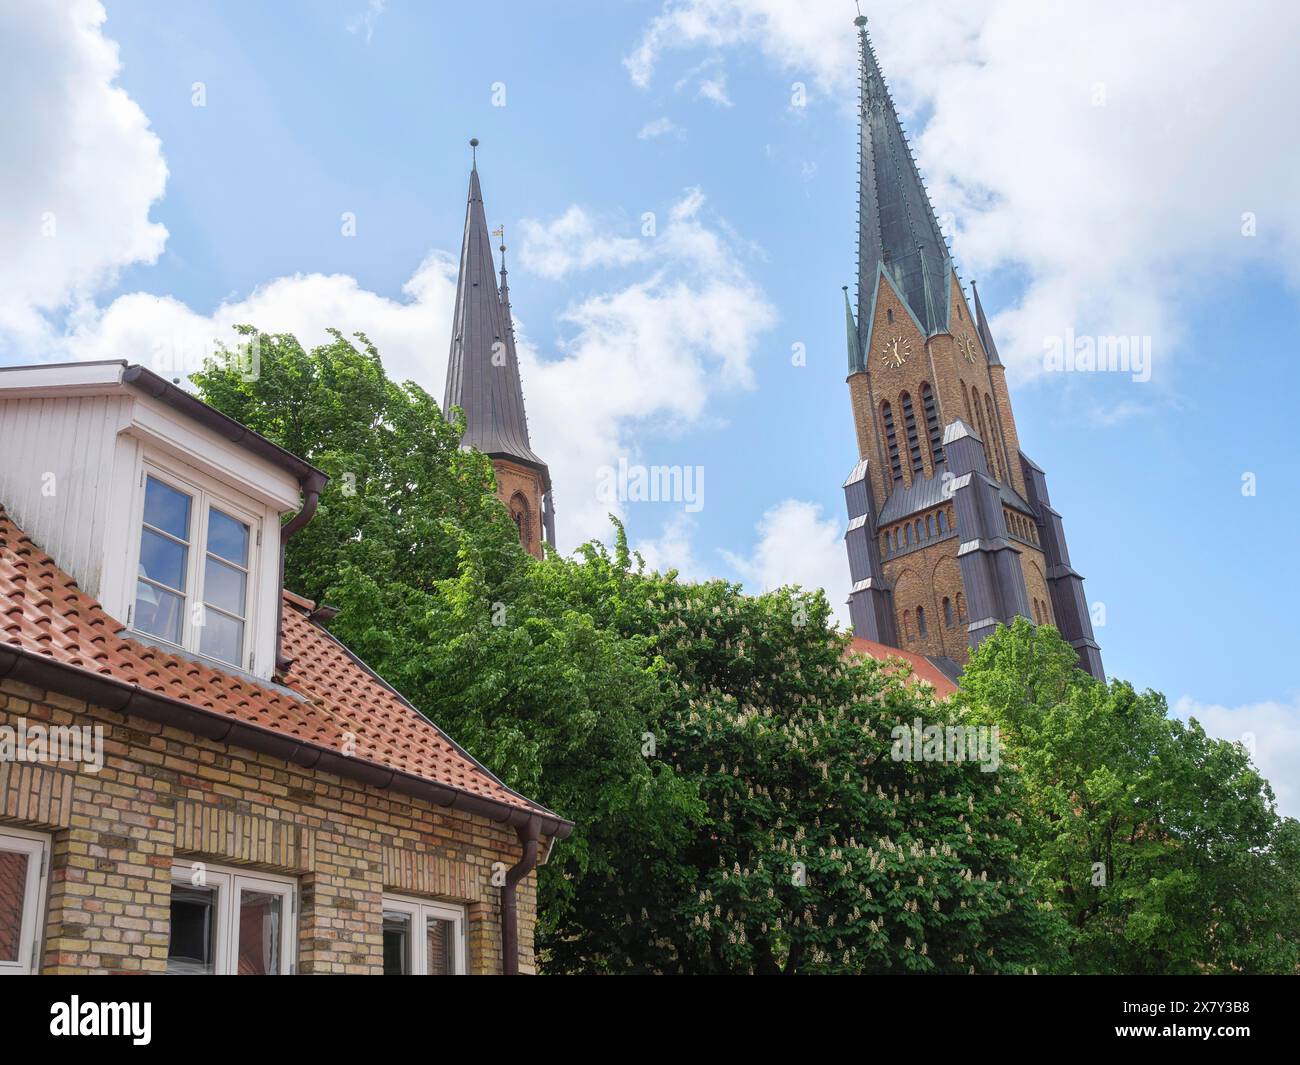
[311, 490]
[529, 839]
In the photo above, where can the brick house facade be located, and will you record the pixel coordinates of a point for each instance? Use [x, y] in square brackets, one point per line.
[307, 819]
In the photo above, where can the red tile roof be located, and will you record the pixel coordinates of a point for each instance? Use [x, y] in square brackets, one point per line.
[922, 668]
[330, 699]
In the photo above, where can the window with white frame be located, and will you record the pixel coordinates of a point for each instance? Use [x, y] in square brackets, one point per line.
[24, 858]
[423, 938]
[228, 922]
[195, 577]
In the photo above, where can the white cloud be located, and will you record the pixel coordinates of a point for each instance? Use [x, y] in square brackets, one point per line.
[1271, 730]
[572, 242]
[650, 351]
[672, 549]
[1113, 213]
[796, 545]
[364, 23]
[82, 167]
[787, 33]
[413, 335]
[715, 89]
[661, 127]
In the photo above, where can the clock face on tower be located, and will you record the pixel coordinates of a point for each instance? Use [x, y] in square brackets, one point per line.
[968, 350]
[895, 352]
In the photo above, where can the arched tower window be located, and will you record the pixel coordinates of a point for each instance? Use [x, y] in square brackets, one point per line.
[921, 627]
[970, 418]
[932, 423]
[947, 612]
[891, 440]
[984, 430]
[907, 624]
[913, 440]
[994, 449]
[519, 513]
[943, 522]
[961, 608]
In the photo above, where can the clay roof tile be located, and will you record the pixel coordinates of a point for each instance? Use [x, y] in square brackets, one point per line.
[329, 697]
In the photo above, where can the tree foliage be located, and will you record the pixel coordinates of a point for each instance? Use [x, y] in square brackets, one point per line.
[1160, 843]
[738, 801]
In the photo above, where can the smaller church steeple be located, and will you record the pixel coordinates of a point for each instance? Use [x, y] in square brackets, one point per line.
[982, 327]
[483, 378]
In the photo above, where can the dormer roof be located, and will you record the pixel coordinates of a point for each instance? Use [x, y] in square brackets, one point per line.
[103, 376]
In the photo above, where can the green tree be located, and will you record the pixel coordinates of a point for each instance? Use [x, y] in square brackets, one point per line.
[820, 853]
[738, 804]
[411, 543]
[1160, 845]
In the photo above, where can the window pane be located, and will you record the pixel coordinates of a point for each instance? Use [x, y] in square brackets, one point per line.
[157, 612]
[13, 889]
[224, 586]
[441, 938]
[162, 560]
[167, 509]
[193, 932]
[227, 538]
[259, 933]
[397, 944]
[223, 637]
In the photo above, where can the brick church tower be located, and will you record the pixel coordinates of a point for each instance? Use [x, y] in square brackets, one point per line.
[950, 527]
[483, 380]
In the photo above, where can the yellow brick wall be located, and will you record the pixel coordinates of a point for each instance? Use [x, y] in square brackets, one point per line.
[164, 794]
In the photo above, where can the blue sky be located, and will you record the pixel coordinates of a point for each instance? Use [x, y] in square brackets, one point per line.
[1091, 185]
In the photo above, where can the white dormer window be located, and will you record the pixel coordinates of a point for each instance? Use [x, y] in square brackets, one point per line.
[195, 572]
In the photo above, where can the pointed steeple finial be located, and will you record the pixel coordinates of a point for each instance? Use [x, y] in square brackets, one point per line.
[473, 153]
[982, 327]
[500, 234]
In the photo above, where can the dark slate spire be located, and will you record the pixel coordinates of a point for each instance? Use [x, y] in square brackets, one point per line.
[482, 369]
[982, 327]
[896, 224]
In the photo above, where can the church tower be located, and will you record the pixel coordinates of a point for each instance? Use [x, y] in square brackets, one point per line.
[483, 380]
[951, 531]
